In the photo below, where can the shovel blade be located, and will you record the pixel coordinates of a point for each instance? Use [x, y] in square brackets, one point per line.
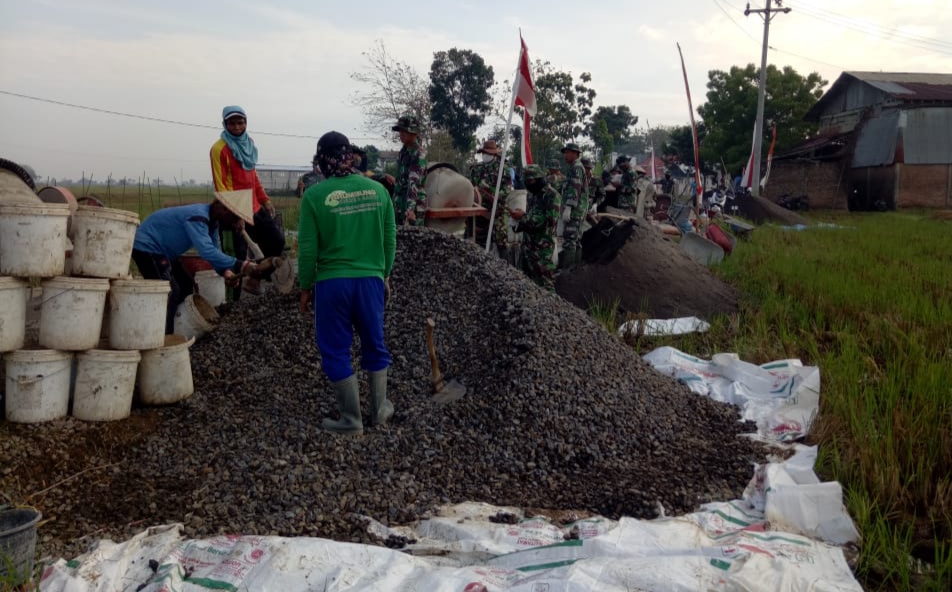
[451, 391]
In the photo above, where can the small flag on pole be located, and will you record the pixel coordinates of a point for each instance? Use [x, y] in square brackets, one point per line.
[773, 143]
[524, 93]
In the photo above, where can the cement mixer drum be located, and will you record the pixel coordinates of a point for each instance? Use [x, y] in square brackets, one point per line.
[446, 189]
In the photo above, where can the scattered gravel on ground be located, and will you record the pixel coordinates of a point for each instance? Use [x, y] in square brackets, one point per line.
[559, 415]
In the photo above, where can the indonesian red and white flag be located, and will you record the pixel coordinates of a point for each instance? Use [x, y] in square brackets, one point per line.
[748, 178]
[524, 93]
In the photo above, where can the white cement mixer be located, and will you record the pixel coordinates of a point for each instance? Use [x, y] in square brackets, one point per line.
[450, 200]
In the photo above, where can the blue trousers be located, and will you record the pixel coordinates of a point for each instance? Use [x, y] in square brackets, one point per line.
[340, 306]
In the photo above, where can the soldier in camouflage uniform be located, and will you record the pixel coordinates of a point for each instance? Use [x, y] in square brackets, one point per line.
[596, 190]
[537, 225]
[574, 207]
[627, 194]
[409, 197]
[555, 177]
[483, 177]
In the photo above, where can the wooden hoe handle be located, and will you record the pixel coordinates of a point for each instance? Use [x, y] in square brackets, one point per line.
[434, 364]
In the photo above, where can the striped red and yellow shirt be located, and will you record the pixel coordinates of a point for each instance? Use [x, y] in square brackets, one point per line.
[229, 176]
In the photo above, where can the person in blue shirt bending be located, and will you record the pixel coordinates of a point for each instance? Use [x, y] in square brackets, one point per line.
[168, 233]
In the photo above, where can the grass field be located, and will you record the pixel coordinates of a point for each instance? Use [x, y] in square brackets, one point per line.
[146, 199]
[870, 305]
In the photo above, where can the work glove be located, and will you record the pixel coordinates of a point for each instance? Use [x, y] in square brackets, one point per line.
[566, 214]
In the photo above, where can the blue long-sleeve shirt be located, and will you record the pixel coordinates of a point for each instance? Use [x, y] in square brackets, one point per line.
[173, 231]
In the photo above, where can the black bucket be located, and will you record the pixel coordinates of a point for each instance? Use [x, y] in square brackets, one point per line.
[17, 545]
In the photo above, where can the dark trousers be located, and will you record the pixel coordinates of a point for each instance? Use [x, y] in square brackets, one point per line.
[158, 267]
[266, 233]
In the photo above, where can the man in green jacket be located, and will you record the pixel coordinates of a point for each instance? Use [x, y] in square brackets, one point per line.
[347, 239]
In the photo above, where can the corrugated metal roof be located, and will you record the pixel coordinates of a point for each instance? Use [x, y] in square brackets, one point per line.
[876, 144]
[926, 138]
[902, 77]
[902, 86]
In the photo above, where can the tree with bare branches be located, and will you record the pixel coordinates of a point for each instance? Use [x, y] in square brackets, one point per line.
[394, 88]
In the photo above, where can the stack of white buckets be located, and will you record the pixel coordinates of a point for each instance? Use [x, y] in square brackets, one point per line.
[78, 293]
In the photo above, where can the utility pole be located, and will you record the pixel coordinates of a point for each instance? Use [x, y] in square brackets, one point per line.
[767, 14]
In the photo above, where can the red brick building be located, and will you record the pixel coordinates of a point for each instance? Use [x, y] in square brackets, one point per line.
[885, 142]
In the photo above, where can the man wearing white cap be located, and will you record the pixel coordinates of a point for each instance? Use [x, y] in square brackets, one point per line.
[168, 233]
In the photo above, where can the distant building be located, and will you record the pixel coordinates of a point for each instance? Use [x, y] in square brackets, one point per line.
[281, 180]
[885, 142]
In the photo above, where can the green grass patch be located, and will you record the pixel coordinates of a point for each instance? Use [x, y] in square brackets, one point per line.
[870, 305]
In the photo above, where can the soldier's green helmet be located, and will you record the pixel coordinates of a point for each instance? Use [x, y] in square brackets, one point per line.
[622, 159]
[532, 172]
[407, 123]
[555, 164]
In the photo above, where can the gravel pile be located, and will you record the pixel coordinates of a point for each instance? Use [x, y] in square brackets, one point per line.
[558, 415]
[652, 275]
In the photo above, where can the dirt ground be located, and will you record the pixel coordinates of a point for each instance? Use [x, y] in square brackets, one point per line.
[652, 275]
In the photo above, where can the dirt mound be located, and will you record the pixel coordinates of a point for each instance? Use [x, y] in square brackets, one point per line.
[559, 414]
[761, 211]
[650, 274]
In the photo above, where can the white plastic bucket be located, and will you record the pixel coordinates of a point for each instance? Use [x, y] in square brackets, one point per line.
[102, 241]
[33, 239]
[195, 317]
[37, 385]
[211, 286]
[105, 383]
[13, 297]
[71, 312]
[165, 374]
[137, 313]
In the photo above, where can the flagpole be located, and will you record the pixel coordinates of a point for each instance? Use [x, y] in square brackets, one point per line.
[505, 149]
[654, 175]
[697, 158]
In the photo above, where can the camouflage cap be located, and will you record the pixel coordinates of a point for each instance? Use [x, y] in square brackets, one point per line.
[407, 123]
[622, 158]
[571, 147]
[554, 164]
[532, 172]
[587, 162]
[640, 170]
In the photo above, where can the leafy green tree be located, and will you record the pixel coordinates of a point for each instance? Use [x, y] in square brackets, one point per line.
[731, 110]
[373, 156]
[619, 122]
[604, 142]
[563, 109]
[460, 83]
[681, 143]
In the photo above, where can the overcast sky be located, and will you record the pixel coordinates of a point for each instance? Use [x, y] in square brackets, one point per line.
[288, 63]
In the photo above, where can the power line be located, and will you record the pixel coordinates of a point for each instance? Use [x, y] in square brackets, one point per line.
[736, 24]
[892, 31]
[803, 57]
[158, 119]
[877, 31]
